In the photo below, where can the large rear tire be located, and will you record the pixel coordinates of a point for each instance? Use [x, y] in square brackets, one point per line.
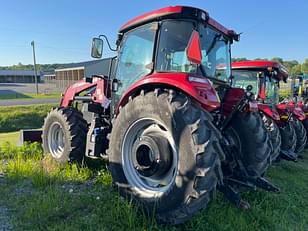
[274, 135]
[164, 153]
[64, 135]
[301, 136]
[253, 144]
[288, 137]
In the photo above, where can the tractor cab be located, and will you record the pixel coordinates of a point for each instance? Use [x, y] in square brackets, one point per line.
[264, 76]
[183, 43]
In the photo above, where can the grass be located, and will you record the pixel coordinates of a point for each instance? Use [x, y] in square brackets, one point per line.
[10, 137]
[30, 96]
[14, 118]
[43, 195]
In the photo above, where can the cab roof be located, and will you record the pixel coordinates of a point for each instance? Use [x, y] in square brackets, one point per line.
[262, 65]
[180, 12]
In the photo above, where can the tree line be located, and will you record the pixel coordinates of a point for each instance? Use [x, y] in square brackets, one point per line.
[46, 68]
[294, 67]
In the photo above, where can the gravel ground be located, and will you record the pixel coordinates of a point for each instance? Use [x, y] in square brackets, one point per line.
[15, 102]
[11, 88]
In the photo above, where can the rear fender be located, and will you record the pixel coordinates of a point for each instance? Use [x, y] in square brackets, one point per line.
[269, 111]
[232, 97]
[285, 108]
[283, 111]
[298, 113]
[198, 88]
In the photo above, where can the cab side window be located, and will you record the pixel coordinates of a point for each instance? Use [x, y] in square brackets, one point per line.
[136, 55]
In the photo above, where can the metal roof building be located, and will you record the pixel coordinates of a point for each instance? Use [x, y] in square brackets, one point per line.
[73, 72]
[18, 76]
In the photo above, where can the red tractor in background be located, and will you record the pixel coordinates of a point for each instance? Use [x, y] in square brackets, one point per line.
[300, 98]
[290, 139]
[165, 117]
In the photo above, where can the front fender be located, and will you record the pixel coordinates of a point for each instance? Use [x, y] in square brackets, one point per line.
[73, 90]
[198, 88]
[99, 95]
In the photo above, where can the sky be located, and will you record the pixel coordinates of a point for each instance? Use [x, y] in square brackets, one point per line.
[63, 29]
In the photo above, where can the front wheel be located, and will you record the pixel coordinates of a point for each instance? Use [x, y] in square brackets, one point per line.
[64, 135]
[165, 153]
[252, 144]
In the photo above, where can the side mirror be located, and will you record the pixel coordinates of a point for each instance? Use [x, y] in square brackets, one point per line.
[193, 50]
[97, 48]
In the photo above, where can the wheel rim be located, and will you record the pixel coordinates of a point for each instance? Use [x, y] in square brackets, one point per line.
[55, 140]
[149, 158]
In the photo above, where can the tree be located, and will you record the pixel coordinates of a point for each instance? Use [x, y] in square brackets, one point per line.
[239, 59]
[290, 64]
[305, 67]
[278, 59]
[261, 59]
[296, 70]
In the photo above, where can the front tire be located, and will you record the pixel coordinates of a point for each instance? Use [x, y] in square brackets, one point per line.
[252, 143]
[64, 135]
[165, 153]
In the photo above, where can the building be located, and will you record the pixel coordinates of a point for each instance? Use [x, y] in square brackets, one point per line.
[49, 78]
[73, 72]
[18, 76]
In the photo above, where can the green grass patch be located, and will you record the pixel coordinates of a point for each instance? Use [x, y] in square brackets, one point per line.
[43, 195]
[30, 96]
[10, 137]
[14, 118]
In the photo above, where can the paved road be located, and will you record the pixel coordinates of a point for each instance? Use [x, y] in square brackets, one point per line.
[14, 102]
[20, 88]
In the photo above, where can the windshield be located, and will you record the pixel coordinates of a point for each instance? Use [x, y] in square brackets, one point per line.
[174, 38]
[243, 78]
[215, 54]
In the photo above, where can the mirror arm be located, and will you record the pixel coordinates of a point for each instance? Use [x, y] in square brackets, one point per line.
[105, 37]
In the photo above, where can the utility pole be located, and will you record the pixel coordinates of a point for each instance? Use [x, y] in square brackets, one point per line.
[34, 61]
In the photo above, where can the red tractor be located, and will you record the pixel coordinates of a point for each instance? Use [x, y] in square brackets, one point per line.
[300, 98]
[287, 116]
[164, 117]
